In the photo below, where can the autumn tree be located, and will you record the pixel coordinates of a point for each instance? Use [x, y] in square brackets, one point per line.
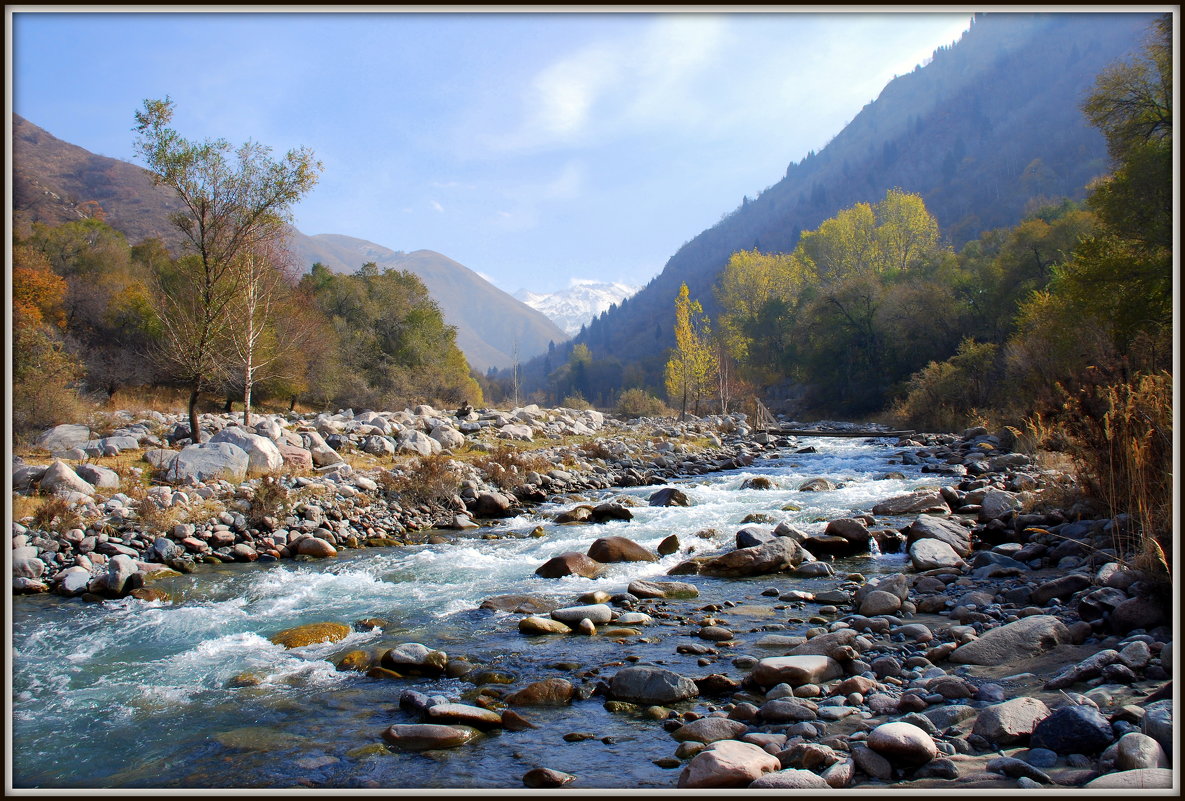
[691, 369]
[234, 200]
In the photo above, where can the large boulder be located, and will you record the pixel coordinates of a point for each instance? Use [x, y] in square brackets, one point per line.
[548, 692]
[943, 530]
[572, 615]
[417, 442]
[100, 477]
[796, 670]
[1073, 729]
[669, 496]
[63, 438]
[310, 633]
[262, 454]
[619, 549]
[709, 730]
[295, 457]
[913, 503]
[208, 461]
[1010, 722]
[651, 685]
[646, 588]
[493, 504]
[415, 659]
[1139, 779]
[782, 553]
[902, 743]
[1029, 636]
[727, 763]
[322, 454]
[570, 564]
[930, 554]
[59, 478]
[448, 437]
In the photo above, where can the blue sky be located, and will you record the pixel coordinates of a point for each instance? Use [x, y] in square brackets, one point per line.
[533, 148]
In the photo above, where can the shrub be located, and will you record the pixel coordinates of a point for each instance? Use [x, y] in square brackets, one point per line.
[640, 403]
[507, 467]
[945, 396]
[56, 514]
[1120, 437]
[576, 401]
[425, 480]
[270, 500]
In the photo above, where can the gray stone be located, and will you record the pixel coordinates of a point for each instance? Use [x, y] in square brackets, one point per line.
[1143, 779]
[322, 454]
[651, 685]
[931, 554]
[120, 569]
[262, 454]
[1029, 636]
[1137, 751]
[727, 763]
[709, 730]
[914, 502]
[1158, 722]
[209, 461]
[902, 743]
[1010, 722]
[100, 477]
[796, 670]
[59, 478]
[790, 779]
[597, 613]
[782, 553]
[943, 530]
[63, 438]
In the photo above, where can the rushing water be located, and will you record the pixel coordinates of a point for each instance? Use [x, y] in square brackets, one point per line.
[134, 694]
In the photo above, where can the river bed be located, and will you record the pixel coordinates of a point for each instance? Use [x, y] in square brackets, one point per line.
[132, 694]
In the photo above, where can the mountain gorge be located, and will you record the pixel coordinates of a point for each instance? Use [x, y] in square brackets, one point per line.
[56, 182]
[990, 128]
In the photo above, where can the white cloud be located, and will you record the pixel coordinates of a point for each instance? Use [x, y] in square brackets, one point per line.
[613, 86]
[436, 205]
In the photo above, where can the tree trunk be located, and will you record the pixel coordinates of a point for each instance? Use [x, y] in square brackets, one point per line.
[195, 431]
[292, 404]
[247, 392]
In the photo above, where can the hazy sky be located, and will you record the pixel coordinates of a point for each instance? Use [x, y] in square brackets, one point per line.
[533, 148]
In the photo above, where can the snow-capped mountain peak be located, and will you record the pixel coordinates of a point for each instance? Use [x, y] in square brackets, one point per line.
[575, 306]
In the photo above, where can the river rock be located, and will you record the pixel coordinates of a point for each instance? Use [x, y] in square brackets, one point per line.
[790, 779]
[322, 454]
[262, 454]
[542, 625]
[413, 658]
[208, 461]
[548, 692]
[651, 685]
[914, 502]
[542, 778]
[609, 510]
[427, 736]
[1143, 779]
[597, 613]
[63, 438]
[1073, 729]
[1011, 722]
[463, 714]
[879, 602]
[120, 571]
[902, 743]
[315, 547]
[310, 633]
[817, 485]
[871, 763]
[295, 457]
[727, 763]
[1062, 587]
[931, 554]
[59, 478]
[834, 644]
[493, 504]
[1137, 751]
[448, 437]
[669, 496]
[518, 602]
[997, 503]
[28, 567]
[1134, 613]
[758, 483]
[786, 710]
[570, 564]
[710, 729]
[941, 529]
[99, 477]
[1026, 637]
[1158, 721]
[782, 553]
[796, 670]
[643, 588]
[619, 549]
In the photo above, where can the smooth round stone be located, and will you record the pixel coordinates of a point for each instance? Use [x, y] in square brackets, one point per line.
[427, 736]
[539, 778]
[715, 633]
[597, 613]
[542, 625]
[311, 633]
[902, 743]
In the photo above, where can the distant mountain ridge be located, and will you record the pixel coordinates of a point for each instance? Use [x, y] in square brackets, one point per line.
[573, 308]
[988, 128]
[55, 182]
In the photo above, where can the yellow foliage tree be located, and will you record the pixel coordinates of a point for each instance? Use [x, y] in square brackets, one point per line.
[692, 368]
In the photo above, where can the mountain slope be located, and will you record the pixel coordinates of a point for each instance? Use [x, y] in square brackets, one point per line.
[491, 324]
[989, 127]
[56, 182]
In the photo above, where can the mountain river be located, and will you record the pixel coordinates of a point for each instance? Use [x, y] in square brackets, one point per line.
[129, 694]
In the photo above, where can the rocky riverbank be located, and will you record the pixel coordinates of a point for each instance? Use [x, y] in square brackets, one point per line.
[1017, 647]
